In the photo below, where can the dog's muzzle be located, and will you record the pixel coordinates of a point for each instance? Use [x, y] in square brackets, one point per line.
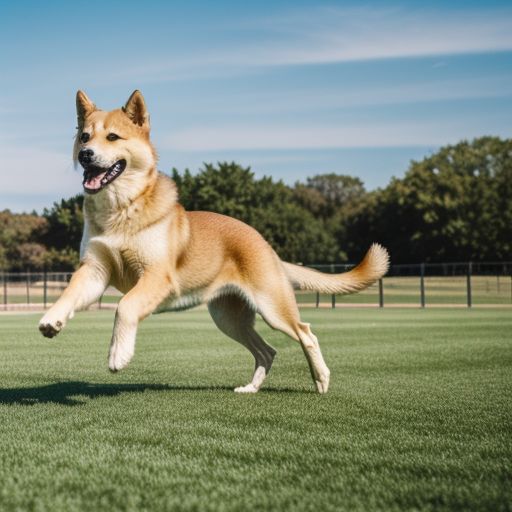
[96, 178]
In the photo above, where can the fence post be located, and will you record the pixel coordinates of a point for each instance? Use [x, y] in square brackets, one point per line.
[333, 297]
[468, 277]
[28, 287]
[317, 299]
[422, 284]
[5, 290]
[45, 288]
[381, 294]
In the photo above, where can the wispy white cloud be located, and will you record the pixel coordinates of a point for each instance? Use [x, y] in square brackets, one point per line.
[335, 35]
[330, 35]
[338, 96]
[376, 94]
[354, 135]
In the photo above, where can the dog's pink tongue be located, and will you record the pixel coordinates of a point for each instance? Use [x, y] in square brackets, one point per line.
[95, 183]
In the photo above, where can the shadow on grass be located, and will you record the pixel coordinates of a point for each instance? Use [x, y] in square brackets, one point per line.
[69, 393]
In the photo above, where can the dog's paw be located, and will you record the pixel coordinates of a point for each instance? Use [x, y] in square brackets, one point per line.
[53, 322]
[322, 383]
[50, 328]
[119, 358]
[250, 388]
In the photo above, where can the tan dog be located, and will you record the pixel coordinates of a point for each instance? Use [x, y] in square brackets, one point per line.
[138, 238]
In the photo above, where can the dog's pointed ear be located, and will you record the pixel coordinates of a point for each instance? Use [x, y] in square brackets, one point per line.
[84, 106]
[135, 109]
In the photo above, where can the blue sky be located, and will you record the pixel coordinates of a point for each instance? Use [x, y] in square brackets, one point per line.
[291, 88]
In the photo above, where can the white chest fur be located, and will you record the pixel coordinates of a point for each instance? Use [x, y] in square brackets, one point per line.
[125, 256]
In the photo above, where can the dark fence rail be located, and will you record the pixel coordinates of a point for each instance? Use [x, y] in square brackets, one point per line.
[427, 284]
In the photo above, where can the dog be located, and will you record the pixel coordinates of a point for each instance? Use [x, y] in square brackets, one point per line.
[139, 239]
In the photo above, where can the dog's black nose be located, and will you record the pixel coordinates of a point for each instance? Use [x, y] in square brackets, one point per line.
[85, 156]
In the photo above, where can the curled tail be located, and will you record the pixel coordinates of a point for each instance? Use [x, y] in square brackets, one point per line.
[373, 266]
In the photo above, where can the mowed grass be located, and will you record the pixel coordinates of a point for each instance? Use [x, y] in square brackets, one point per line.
[418, 417]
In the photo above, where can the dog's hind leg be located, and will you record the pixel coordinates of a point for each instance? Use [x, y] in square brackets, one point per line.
[279, 309]
[234, 317]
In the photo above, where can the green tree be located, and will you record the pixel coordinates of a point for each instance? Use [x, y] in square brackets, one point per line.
[326, 194]
[20, 246]
[64, 232]
[455, 205]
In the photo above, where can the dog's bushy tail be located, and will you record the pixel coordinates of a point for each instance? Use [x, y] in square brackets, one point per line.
[373, 266]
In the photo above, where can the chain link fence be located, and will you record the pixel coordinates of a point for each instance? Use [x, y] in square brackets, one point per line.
[418, 285]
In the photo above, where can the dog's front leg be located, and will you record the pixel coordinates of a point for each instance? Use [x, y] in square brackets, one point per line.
[85, 287]
[151, 289]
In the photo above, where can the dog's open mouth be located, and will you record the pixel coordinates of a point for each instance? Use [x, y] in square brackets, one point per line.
[96, 178]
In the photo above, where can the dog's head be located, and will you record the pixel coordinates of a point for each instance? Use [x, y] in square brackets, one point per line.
[113, 146]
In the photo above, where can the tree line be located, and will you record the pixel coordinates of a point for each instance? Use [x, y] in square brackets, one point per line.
[454, 205]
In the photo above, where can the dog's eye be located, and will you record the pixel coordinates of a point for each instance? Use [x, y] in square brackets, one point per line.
[112, 137]
[84, 137]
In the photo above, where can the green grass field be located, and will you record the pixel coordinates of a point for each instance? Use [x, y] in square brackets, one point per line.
[419, 416]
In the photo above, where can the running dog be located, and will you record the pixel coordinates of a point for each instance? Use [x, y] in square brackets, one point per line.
[139, 239]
